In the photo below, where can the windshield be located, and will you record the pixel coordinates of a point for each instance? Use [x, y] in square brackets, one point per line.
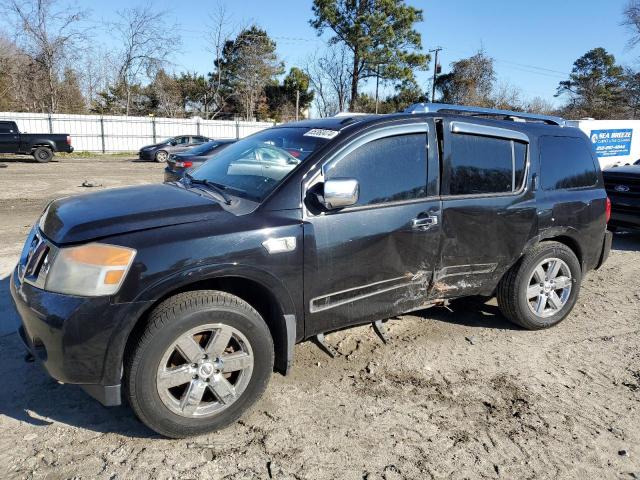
[167, 140]
[254, 166]
[202, 149]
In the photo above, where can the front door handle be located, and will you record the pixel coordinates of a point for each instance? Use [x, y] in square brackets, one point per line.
[425, 223]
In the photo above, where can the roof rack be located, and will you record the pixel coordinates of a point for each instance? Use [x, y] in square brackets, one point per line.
[487, 112]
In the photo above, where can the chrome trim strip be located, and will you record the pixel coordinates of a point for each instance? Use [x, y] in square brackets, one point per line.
[313, 308]
[486, 131]
[471, 269]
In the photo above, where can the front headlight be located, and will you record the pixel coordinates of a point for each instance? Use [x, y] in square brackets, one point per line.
[90, 270]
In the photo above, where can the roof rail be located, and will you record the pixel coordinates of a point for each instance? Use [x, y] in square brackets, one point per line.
[489, 112]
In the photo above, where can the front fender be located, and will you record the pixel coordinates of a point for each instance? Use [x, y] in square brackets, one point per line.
[149, 297]
[186, 277]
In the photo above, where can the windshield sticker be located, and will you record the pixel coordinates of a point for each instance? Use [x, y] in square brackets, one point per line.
[321, 133]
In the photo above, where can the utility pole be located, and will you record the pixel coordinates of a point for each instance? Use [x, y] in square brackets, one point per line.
[377, 84]
[435, 72]
[297, 103]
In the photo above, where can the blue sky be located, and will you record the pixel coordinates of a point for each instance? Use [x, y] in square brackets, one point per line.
[534, 43]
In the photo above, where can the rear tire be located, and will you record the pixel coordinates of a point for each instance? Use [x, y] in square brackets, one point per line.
[541, 289]
[42, 154]
[202, 360]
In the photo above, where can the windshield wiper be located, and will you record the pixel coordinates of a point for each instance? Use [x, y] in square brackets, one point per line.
[211, 185]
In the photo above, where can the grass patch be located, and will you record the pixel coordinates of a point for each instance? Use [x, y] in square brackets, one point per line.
[85, 154]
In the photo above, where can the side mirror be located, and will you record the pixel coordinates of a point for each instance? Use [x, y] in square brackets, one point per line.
[340, 192]
[173, 143]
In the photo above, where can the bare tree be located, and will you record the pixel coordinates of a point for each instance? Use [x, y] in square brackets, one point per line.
[631, 20]
[96, 73]
[49, 36]
[221, 32]
[540, 105]
[330, 77]
[505, 96]
[146, 44]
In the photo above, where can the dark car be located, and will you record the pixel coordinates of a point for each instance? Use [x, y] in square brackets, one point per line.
[41, 146]
[623, 188]
[180, 163]
[159, 152]
[182, 298]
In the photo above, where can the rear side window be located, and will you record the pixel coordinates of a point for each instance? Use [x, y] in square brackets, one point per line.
[566, 162]
[6, 128]
[388, 169]
[484, 165]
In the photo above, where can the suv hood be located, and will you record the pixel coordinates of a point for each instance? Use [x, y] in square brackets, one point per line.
[121, 210]
[626, 171]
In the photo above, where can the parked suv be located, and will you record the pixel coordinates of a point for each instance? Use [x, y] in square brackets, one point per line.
[182, 298]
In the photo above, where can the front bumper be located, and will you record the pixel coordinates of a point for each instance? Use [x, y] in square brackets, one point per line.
[146, 155]
[73, 337]
[625, 211]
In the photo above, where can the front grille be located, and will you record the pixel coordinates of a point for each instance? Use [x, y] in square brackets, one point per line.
[35, 262]
[622, 185]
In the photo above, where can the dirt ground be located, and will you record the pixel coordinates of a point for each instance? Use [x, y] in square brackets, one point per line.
[460, 392]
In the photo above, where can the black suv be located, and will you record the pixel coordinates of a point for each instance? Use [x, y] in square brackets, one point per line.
[182, 298]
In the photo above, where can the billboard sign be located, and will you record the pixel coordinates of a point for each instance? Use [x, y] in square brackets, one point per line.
[612, 143]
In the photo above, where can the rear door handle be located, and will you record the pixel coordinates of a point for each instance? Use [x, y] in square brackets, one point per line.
[424, 223]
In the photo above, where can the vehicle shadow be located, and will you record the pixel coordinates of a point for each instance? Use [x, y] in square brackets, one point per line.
[29, 395]
[9, 320]
[470, 312]
[626, 241]
[23, 159]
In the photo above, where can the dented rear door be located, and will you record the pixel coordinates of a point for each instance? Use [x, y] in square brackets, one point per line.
[488, 207]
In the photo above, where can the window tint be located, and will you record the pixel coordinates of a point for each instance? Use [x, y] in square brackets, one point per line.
[519, 162]
[389, 169]
[198, 140]
[566, 162]
[481, 165]
[6, 128]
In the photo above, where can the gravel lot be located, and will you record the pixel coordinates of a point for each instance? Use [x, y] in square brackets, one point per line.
[459, 393]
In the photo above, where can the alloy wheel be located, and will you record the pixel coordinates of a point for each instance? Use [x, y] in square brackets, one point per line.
[205, 370]
[549, 287]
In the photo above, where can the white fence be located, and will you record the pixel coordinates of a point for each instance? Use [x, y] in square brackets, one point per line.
[97, 133]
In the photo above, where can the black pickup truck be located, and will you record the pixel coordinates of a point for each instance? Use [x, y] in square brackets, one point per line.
[41, 145]
[181, 298]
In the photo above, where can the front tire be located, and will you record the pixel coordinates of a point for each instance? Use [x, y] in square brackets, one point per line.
[161, 156]
[542, 288]
[202, 360]
[42, 154]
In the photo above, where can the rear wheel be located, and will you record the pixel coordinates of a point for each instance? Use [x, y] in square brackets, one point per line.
[203, 359]
[541, 290]
[42, 154]
[161, 156]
